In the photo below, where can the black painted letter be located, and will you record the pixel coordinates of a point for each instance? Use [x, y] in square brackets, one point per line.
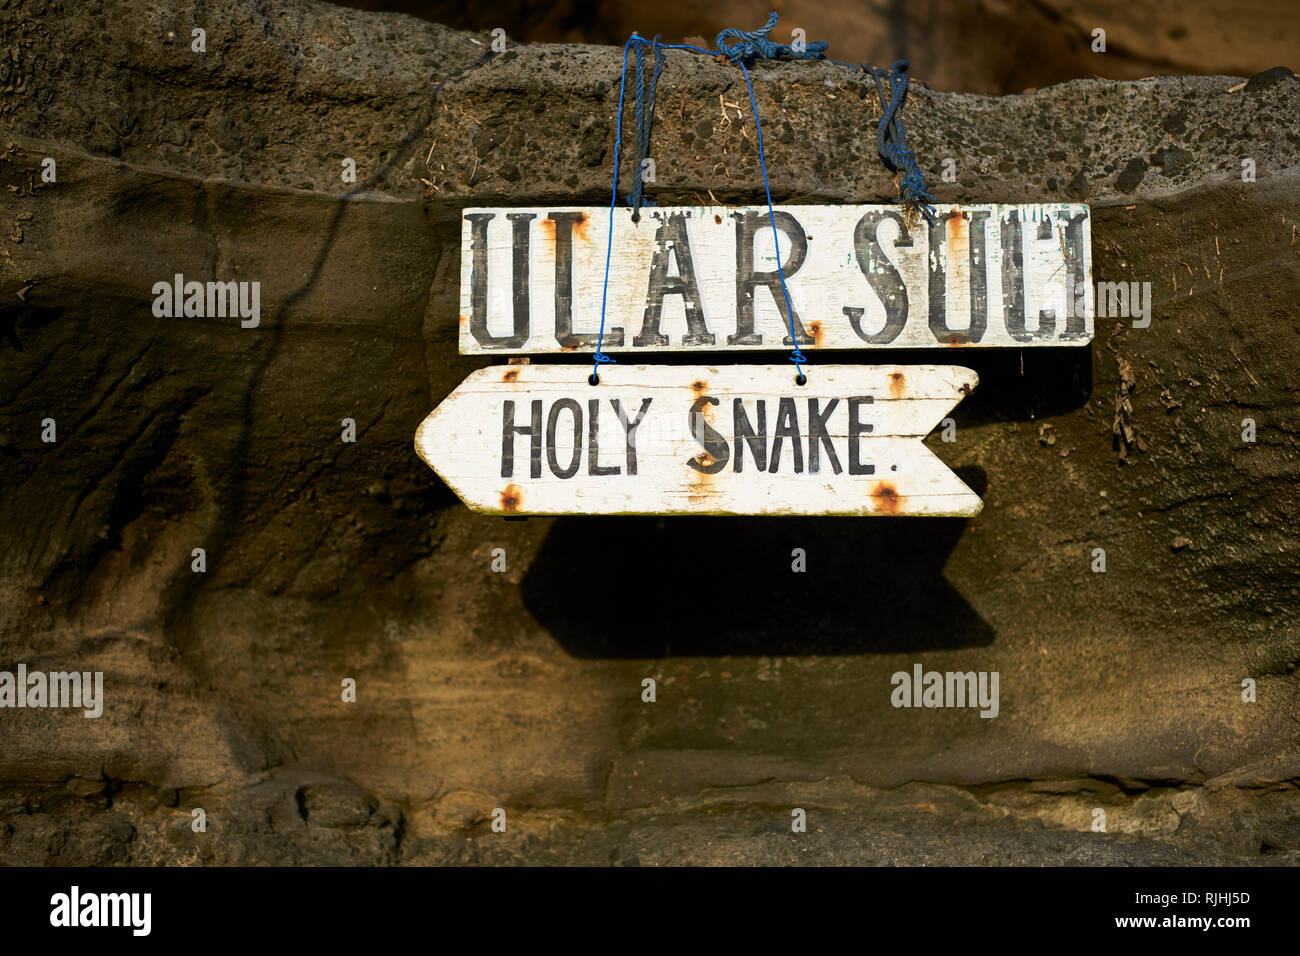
[744, 431]
[508, 430]
[564, 334]
[787, 426]
[747, 278]
[857, 428]
[884, 278]
[671, 241]
[630, 429]
[715, 446]
[938, 258]
[571, 469]
[818, 435]
[593, 442]
[478, 281]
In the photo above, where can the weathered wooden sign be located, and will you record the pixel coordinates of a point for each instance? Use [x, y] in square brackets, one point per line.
[539, 439]
[705, 278]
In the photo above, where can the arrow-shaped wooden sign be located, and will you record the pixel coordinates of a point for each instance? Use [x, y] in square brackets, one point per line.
[540, 439]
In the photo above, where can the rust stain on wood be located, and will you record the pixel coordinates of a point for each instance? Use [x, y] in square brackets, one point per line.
[701, 487]
[887, 499]
[512, 375]
[897, 385]
[956, 229]
[815, 328]
[579, 232]
[512, 499]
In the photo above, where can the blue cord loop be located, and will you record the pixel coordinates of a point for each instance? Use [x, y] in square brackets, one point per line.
[797, 355]
[645, 114]
[754, 45]
[600, 356]
[891, 140]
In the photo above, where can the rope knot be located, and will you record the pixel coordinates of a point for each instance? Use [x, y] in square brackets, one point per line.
[754, 45]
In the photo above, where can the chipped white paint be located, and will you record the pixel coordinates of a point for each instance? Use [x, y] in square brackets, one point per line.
[688, 453]
[859, 277]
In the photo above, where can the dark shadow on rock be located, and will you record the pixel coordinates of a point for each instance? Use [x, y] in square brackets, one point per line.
[1020, 384]
[24, 316]
[621, 587]
[183, 589]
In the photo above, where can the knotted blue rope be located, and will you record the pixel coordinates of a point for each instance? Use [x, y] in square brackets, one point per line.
[645, 114]
[754, 45]
[797, 355]
[891, 140]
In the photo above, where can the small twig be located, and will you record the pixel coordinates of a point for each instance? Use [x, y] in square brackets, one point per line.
[1243, 365]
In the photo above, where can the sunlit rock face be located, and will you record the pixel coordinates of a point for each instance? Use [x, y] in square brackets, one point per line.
[197, 529]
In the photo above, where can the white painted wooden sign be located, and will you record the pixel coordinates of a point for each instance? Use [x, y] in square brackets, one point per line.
[705, 278]
[540, 439]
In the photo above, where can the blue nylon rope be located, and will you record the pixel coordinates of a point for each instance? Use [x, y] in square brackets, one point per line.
[755, 45]
[891, 143]
[600, 356]
[796, 356]
[891, 140]
[645, 115]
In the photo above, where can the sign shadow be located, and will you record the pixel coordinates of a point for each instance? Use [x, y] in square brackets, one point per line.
[651, 587]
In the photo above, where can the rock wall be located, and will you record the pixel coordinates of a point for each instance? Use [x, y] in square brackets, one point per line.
[521, 690]
[975, 46]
